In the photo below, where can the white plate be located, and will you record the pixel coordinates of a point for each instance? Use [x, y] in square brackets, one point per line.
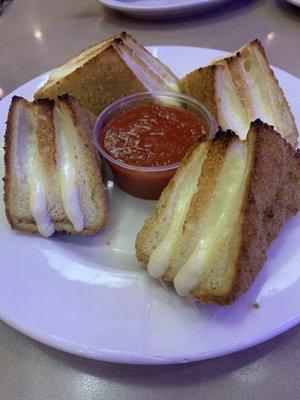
[161, 8]
[90, 296]
[295, 2]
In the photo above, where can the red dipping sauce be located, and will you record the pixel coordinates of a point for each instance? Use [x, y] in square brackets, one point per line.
[151, 136]
[144, 140]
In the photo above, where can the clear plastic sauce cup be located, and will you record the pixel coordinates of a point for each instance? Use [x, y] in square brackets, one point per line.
[147, 182]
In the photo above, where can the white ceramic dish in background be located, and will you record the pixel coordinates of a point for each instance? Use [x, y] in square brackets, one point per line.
[156, 9]
[295, 2]
[89, 296]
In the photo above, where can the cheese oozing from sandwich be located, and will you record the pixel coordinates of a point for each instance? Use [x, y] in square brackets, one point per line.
[186, 186]
[28, 160]
[259, 91]
[67, 165]
[38, 202]
[232, 114]
[217, 222]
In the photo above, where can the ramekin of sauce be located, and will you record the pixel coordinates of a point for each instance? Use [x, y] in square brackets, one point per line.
[144, 137]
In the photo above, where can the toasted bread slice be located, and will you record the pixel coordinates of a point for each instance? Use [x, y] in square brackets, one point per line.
[214, 87]
[246, 191]
[212, 169]
[29, 134]
[260, 92]
[33, 187]
[270, 196]
[209, 225]
[82, 191]
[257, 91]
[108, 71]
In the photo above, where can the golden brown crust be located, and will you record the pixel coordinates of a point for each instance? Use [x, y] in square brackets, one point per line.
[237, 65]
[16, 196]
[272, 196]
[42, 112]
[201, 84]
[45, 133]
[7, 164]
[84, 122]
[60, 227]
[147, 239]
[209, 175]
[97, 83]
[45, 139]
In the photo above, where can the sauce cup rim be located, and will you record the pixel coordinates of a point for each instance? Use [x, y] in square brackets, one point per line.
[109, 111]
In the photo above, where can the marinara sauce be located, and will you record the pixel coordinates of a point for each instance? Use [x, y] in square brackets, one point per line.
[151, 136]
[144, 141]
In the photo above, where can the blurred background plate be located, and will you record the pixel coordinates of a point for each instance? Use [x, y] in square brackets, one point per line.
[156, 9]
[295, 2]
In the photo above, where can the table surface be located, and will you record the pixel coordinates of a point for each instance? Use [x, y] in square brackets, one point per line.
[37, 35]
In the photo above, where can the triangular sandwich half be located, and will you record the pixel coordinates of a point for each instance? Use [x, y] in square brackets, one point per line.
[108, 71]
[249, 84]
[246, 190]
[52, 171]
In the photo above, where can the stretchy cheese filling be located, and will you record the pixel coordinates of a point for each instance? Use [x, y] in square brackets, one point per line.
[33, 171]
[232, 113]
[217, 222]
[186, 185]
[67, 170]
[261, 94]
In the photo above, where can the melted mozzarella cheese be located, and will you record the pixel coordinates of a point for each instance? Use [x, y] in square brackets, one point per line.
[261, 95]
[187, 185]
[28, 168]
[37, 191]
[67, 173]
[216, 224]
[232, 114]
